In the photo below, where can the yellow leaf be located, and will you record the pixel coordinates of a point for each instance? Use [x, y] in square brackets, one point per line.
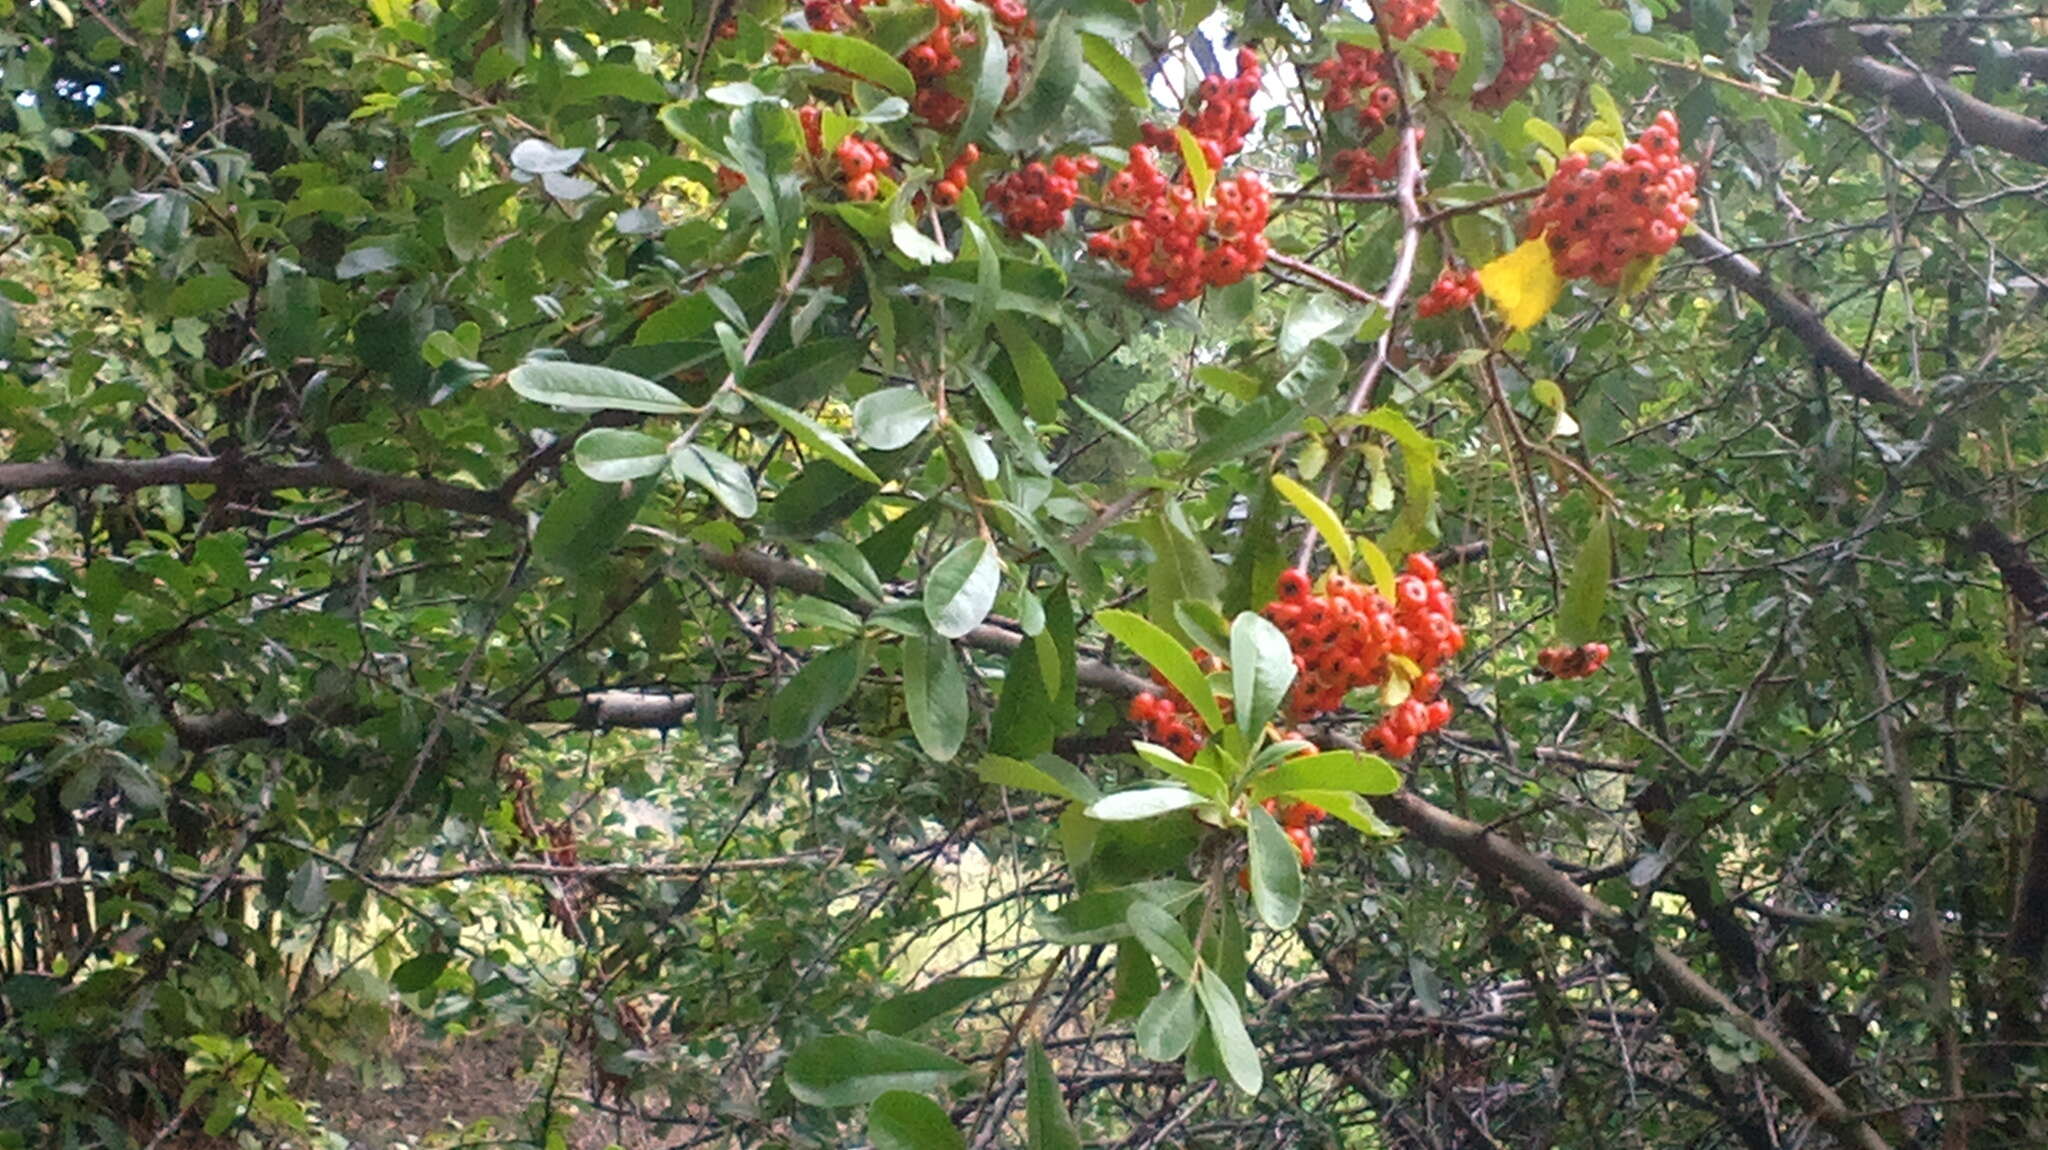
[1320, 515]
[1523, 284]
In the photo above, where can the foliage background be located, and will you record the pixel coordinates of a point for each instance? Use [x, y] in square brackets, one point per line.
[334, 692]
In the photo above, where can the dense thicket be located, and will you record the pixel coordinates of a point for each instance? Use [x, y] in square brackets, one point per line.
[654, 527]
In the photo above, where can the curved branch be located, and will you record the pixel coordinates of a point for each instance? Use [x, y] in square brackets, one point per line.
[2023, 580]
[1819, 50]
[247, 474]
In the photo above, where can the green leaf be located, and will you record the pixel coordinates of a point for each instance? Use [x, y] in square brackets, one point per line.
[1046, 99]
[419, 972]
[858, 57]
[1101, 916]
[1043, 391]
[1229, 381]
[1261, 671]
[1047, 1125]
[815, 436]
[1023, 722]
[1275, 871]
[614, 455]
[1182, 570]
[901, 1120]
[587, 387]
[1171, 659]
[935, 694]
[1168, 1025]
[1415, 528]
[991, 82]
[847, 566]
[1112, 65]
[616, 81]
[1353, 771]
[850, 1069]
[1348, 808]
[1321, 516]
[1163, 937]
[202, 295]
[1203, 624]
[913, 1008]
[583, 522]
[961, 588]
[817, 688]
[892, 418]
[1143, 803]
[1199, 778]
[1046, 774]
[1226, 1024]
[308, 890]
[1256, 425]
[1550, 395]
[1135, 983]
[1545, 133]
[887, 548]
[719, 474]
[1585, 595]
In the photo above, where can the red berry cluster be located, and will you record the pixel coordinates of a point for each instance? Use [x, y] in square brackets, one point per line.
[1357, 78]
[1455, 288]
[955, 180]
[1354, 78]
[1163, 248]
[1364, 170]
[1220, 114]
[1599, 221]
[830, 15]
[1037, 198]
[1168, 725]
[1296, 819]
[861, 162]
[1168, 718]
[1572, 662]
[1404, 17]
[1525, 43]
[933, 59]
[1346, 638]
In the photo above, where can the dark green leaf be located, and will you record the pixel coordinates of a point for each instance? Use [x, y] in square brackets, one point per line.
[614, 455]
[587, 387]
[719, 474]
[1275, 872]
[1585, 596]
[1047, 1125]
[1261, 671]
[850, 1069]
[961, 588]
[935, 693]
[814, 692]
[913, 1008]
[901, 1120]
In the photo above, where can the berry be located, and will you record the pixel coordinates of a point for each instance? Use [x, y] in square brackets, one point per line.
[860, 163]
[1525, 43]
[1572, 662]
[954, 181]
[1037, 198]
[1163, 249]
[1405, 17]
[1345, 638]
[1599, 222]
[1454, 289]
